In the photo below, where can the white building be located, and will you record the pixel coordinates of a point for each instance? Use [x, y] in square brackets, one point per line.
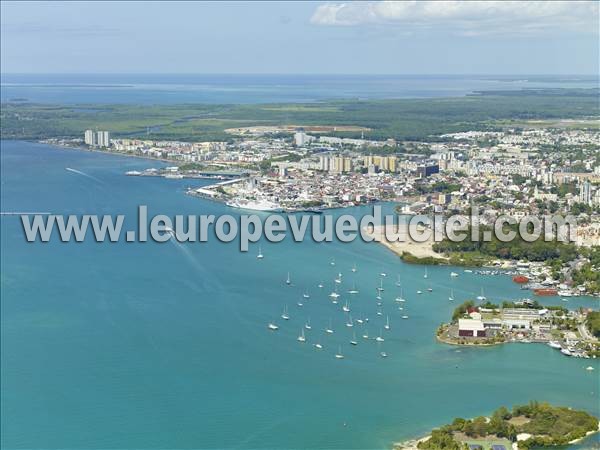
[301, 138]
[103, 139]
[90, 138]
[471, 327]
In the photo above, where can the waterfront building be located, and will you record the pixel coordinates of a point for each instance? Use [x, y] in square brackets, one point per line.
[471, 327]
[90, 138]
[103, 139]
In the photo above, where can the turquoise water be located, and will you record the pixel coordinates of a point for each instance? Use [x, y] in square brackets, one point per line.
[166, 346]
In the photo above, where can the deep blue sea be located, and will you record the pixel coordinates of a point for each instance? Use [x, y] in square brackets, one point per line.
[169, 89]
[147, 346]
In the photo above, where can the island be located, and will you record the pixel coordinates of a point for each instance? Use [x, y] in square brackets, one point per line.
[527, 426]
[574, 333]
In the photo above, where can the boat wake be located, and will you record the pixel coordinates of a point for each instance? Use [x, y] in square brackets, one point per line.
[79, 172]
[187, 254]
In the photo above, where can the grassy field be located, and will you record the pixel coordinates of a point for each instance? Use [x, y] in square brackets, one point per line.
[407, 119]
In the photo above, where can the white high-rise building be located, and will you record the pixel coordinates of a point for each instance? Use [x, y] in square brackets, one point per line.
[585, 193]
[300, 138]
[90, 138]
[103, 139]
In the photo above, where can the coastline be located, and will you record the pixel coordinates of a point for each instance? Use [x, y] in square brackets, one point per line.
[413, 444]
[458, 344]
[587, 435]
[408, 245]
[106, 152]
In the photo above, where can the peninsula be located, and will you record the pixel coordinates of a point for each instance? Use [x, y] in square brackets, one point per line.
[571, 332]
[526, 426]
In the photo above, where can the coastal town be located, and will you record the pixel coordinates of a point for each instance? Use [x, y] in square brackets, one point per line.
[514, 171]
[535, 169]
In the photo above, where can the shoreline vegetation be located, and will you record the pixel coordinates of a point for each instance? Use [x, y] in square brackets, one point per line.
[473, 253]
[400, 119]
[525, 427]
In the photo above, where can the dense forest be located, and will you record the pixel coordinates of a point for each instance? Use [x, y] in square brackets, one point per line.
[404, 119]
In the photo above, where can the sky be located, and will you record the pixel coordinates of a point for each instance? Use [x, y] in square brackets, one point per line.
[379, 37]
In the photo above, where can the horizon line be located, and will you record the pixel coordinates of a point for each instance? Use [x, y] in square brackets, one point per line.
[597, 75]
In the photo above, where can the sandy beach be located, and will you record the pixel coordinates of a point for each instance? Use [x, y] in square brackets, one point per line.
[408, 245]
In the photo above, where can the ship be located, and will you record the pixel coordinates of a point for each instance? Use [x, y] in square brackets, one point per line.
[545, 291]
[520, 279]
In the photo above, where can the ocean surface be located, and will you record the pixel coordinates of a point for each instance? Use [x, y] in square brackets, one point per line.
[169, 89]
[130, 345]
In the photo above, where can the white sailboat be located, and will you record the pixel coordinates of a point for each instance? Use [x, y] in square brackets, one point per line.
[387, 323]
[338, 280]
[380, 288]
[272, 326]
[330, 329]
[453, 274]
[353, 291]
[302, 338]
[339, 354]
[366, 334]
[354, 268]
[285, 315]
[307, 324]
[429, 289]
[379, 313]
[481, 297]
[320, 285]
[354, 341]
[332, 262]
[260, 254]
[400, 298]
[451, 298]
[419, 292]
[398, 283]
[318, 346]
[379, 338]
[350, 323]
[288, 280]
[359, 321]
[405, 317]
[305, 295]
[334, 295]
[425, 276]
[346, 308]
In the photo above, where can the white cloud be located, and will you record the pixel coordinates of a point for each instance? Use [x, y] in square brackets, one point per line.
[465, 17]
